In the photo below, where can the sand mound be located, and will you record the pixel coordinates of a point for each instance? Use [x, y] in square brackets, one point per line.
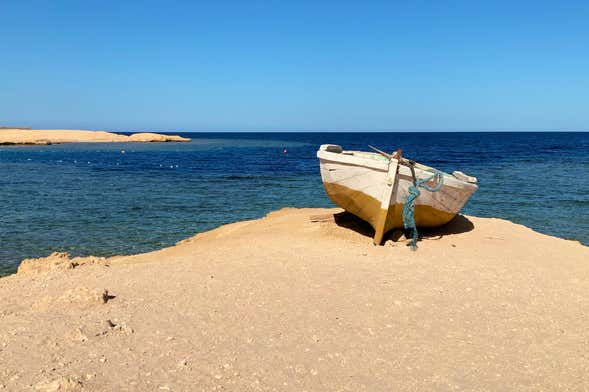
[287, 304]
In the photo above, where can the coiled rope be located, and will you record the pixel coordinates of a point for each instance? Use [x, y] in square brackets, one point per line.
[414, 192]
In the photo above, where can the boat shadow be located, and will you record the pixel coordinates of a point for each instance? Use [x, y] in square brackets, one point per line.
[458, 225]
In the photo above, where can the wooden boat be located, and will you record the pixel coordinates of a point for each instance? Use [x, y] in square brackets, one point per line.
[374, 186]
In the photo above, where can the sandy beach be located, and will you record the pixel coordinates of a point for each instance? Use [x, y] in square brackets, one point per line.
[57, 136]
[285, 303]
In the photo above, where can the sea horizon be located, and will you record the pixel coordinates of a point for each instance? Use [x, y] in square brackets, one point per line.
[181, 130]
[169, 131]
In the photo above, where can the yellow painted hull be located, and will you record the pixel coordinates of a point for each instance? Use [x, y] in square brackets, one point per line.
[369, 209]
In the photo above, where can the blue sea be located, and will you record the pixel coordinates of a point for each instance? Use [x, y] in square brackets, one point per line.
[93, 199]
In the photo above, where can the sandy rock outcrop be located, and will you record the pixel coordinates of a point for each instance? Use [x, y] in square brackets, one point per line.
[55, 136]
[60, 383]
[56, 261]
[156, 137]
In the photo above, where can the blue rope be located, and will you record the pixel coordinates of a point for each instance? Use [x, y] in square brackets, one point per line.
[414, 192]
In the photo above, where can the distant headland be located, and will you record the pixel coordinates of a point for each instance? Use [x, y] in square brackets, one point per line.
[9, 136]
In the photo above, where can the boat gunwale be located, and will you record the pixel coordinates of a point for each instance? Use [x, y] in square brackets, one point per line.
[382, 165]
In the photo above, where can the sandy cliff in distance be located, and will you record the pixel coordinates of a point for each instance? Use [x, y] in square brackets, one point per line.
[286, 304]
[54, 136]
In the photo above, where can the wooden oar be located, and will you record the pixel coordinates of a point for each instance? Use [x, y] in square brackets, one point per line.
[381, 152]
[396, 155]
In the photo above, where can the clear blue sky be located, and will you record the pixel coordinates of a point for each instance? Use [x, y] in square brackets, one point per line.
[295, 65]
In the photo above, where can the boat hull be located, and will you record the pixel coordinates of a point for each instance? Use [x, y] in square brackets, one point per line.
[357, 182]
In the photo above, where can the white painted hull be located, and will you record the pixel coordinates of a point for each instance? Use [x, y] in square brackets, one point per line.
[363, 184]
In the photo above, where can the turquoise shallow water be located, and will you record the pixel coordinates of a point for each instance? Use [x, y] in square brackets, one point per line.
[90, 199]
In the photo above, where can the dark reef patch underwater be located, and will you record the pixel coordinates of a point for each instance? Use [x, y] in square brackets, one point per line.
[90, 199]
